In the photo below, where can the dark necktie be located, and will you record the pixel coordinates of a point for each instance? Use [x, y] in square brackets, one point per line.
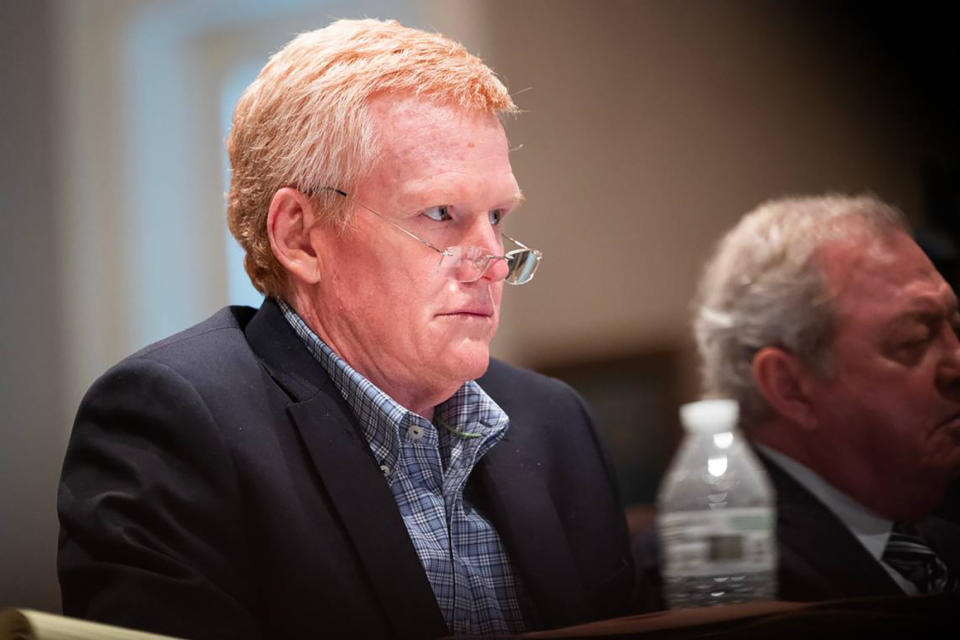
[916, 561]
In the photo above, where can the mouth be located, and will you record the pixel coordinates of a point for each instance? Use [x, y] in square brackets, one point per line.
[952, 422]
[466, 314]
[474, 311]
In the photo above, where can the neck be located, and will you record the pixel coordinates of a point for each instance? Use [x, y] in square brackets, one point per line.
[415, 395]
[777, 435]
[851, 472]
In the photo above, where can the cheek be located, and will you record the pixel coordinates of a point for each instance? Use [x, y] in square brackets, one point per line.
[382, 278]
[496, 294]
[896, 415]
[881, 385]
[860, 412]
[910, 397]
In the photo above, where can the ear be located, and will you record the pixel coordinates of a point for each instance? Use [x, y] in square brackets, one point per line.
[784, 382]
[289, 222]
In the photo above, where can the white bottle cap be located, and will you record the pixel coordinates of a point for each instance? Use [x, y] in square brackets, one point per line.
[710, 416]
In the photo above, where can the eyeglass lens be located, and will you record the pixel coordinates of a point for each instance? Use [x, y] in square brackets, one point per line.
[523, 264]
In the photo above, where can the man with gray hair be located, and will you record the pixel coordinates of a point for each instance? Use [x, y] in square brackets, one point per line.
[837, 336]
[348, 461]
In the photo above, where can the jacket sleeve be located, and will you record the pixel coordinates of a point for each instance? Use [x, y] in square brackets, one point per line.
[149, 511]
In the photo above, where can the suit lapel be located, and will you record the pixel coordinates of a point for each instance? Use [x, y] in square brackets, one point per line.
[522, 510]
[815, 542]
[350, 476]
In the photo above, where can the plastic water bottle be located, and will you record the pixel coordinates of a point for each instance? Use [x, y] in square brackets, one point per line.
[716, 514]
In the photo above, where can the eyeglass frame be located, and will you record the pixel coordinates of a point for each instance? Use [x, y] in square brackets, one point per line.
[538, 255]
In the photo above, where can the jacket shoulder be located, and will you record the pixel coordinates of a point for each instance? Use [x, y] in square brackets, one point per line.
[203, 356]
[503, 379]
[226, 323]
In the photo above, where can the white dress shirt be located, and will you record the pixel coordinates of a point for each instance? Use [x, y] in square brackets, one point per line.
[871, 530]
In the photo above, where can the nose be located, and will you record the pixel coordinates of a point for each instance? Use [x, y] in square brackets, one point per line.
[948, 369]
[497, 269]
[487, 237]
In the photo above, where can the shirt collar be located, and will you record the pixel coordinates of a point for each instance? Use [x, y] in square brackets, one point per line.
[869, 528]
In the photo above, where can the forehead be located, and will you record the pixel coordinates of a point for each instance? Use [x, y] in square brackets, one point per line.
[427, 145]
[875, 279]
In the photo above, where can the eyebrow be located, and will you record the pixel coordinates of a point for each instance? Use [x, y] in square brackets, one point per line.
[516, 201]
[513, 201]
[926, 310]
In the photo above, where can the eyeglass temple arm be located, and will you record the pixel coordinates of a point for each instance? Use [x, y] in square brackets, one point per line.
[344, 194]
[383, 217]
[535, 252]
[516, 242]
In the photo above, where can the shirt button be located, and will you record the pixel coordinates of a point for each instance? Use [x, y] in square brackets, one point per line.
[415, 432]
[385, 469]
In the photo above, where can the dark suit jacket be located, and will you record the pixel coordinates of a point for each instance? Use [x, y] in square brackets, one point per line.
[216, 485]
[819, 558]
[950, 507]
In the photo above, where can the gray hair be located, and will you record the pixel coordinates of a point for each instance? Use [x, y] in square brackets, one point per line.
[763, 287]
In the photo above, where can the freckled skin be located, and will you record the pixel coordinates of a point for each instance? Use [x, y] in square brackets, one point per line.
[381, 302]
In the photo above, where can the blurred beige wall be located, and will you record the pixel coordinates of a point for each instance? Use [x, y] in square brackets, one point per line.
[649, 128]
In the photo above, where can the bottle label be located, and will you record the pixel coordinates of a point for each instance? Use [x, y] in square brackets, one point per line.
[725, 541]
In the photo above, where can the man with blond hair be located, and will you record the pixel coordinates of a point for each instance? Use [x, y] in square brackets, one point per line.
[837, 336]
[348, 460]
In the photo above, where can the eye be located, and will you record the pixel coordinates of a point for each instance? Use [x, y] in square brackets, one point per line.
[919, 337]
[438, 213]
[910, 349]
[914, 344]
[496, 216]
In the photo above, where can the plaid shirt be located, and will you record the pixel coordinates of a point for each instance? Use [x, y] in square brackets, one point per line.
[426, 468]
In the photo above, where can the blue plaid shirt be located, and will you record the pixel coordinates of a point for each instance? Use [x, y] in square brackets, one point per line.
[426, 468]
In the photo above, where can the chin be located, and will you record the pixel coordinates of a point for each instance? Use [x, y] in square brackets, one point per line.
[918, 496]
[469, 362]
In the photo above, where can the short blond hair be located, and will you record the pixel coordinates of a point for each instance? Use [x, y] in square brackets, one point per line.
[764, 287]
[303, 122]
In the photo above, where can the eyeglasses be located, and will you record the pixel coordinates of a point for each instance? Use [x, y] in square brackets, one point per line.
[468, 264]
